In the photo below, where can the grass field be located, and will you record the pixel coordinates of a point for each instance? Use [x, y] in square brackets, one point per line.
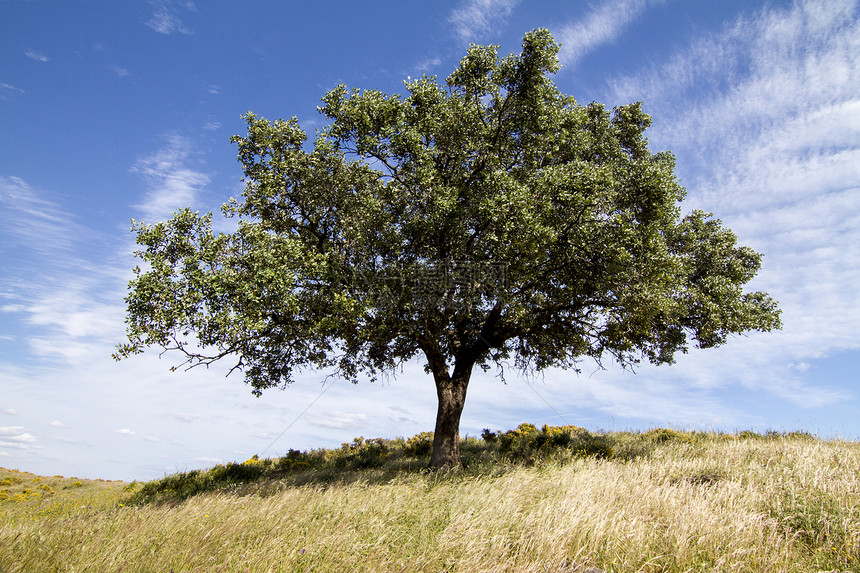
[549, 500]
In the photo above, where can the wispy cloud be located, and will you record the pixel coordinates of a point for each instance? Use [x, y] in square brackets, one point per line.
[339, 420]
[65, 300]
[786, 71]
[427, 64]
[185, 416]
[602, 24]
[173, 184]
[477, 19]
[8, 92]
[36, 223]
[165, 18]
[64, 320]
[766, 114]
[62, 298]
[16, 437]
[764, 117]
[120, 72]
[38, 56]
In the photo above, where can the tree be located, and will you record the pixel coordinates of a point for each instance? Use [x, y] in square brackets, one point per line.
[489, 219]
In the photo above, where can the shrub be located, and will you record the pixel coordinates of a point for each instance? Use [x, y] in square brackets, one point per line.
[254, 461]
[419, 444]
[799, 435]
[527, 442]
[663, 435]
[299, 460]
[519, 440]
[362, 454]
[236, 473]
[749, 435]
[590, 445]
[370, 454]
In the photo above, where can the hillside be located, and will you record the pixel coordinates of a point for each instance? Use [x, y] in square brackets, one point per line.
[555, 499]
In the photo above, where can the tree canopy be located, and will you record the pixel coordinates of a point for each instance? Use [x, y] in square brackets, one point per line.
[484, 220]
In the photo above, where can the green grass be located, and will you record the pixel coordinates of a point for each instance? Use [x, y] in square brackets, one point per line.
[554, 499]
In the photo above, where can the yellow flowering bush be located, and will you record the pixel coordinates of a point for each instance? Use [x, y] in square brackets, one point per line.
[254, 461]
[527, 441]
[363, 453]
[419, 444]
[662, 435]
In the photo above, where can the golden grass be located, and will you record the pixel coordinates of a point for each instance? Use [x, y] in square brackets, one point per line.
[706, 503]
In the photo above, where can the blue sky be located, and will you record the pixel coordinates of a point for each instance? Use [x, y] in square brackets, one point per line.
[117, 110]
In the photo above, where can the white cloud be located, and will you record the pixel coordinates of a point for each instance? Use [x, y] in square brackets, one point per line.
[477, 19]
[185, 416]
[9, 93]
[126, 432]
[764, 118]
[57, 424]
[120, 72]
[35, 222]
[173, 184]
[602, 24]
[165, 17]
[34, 55]
[784, 71]
[16, 437]
[339, 420]
[427, 65]
[10, 412]
[72, 308]
[266, 435]
[67, 316]
[61, 299]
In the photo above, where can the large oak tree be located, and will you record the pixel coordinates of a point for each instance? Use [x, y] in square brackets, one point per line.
[486, 220]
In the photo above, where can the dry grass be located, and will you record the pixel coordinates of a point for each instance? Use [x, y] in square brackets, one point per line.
[701, 503]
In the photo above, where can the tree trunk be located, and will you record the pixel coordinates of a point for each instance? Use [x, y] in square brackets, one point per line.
[451, 391]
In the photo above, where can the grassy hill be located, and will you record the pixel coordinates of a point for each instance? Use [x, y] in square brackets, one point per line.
[550, 500]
